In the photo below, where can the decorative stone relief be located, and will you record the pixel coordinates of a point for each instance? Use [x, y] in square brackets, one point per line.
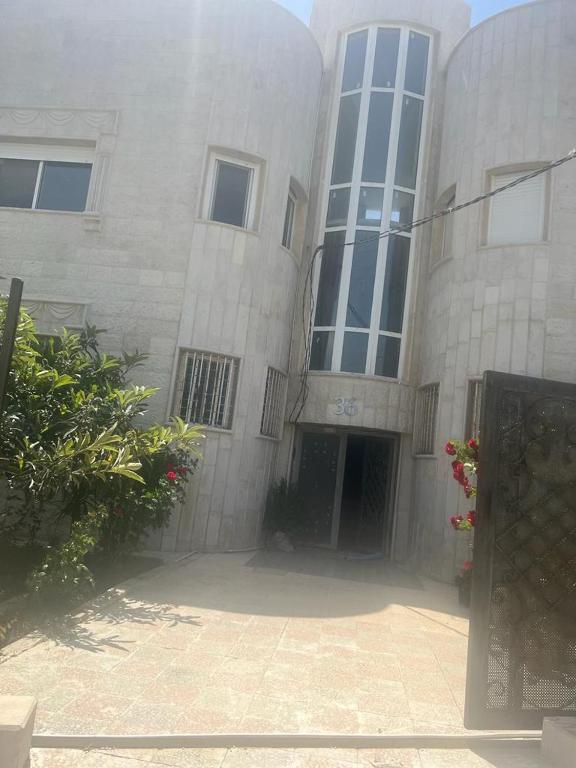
[51, 316]
[80, 123]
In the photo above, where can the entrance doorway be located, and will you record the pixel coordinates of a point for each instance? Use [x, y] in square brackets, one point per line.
[346, 482]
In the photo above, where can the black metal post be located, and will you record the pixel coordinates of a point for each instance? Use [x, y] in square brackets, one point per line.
[9, 335]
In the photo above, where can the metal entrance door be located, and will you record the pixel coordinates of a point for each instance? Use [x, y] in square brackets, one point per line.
[522, 652]
[317, 483]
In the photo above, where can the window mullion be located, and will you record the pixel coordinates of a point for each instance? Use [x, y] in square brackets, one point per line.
[38, 181]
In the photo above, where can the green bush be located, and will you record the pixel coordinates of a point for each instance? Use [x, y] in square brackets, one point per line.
[76, 454]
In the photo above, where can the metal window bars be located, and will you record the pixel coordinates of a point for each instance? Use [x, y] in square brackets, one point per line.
[207, 383]
[272, 412]
[425, 421]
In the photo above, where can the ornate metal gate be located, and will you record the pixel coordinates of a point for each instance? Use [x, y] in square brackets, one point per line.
[522, 652]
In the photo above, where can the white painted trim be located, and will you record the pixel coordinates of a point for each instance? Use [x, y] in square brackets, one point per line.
[253, 187]
[48, 152]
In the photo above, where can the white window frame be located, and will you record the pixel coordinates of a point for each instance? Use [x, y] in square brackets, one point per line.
[272, 421]
[253, 188]
[229, 396]
[389, 185]
[493, 177]
[46, 153]
[287, 242]
[426, 420]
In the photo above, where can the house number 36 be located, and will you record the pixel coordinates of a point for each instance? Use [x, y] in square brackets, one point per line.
[346, 406]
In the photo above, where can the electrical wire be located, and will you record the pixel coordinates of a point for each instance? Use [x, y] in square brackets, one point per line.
[307, 327]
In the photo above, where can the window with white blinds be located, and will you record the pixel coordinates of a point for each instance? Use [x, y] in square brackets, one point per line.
[518, 214]
[206, 389]
[425, 420]
[273, 410]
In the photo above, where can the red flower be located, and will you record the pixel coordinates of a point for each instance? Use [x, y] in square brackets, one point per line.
[468, 565]
[171, 475]
[471, 517]
[455, 521]
[450, 449]
[472, 444]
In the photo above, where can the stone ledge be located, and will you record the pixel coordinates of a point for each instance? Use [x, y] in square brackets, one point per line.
[17, 715]
[559, 742]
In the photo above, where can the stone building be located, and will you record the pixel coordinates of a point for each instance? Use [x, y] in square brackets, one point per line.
[167, 169]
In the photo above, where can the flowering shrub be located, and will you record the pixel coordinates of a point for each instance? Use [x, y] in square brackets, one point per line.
[465, 472]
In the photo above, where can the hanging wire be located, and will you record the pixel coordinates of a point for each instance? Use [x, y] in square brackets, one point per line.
[307, 327]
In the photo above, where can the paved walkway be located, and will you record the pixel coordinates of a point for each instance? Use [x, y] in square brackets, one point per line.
[270, 642]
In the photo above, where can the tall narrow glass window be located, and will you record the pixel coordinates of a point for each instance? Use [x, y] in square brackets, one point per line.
[360, 294]
[329, 286]
[409, 142]
[387, 356]
[353, 76]
[417, 63]
[346, 139]
[321, 351]
[402, 208]
[386, 58]
[354, 352]
[231, 193]
[377, 137]
[392, 314]
[338, 204]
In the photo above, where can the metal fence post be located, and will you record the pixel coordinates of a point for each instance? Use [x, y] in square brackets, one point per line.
[9, 335]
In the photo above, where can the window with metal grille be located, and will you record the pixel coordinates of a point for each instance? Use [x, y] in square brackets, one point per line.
[425, 420]
[473, 407]
[272, 412]
[207, 389]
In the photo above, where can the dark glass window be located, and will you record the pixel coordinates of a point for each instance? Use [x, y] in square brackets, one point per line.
[361, 289]
[386, 58]
[329, 285]
[394, 294]
[231, 193]
[354, 352]
[346, 139]
[370, 206]
[338, 203]
[409, 143]
[353, 76]
[289, 222]
[402, 208]
[321, 352]
[377, 137]
[387, 356]
[64, 186]
[417, 63]
[17, 182]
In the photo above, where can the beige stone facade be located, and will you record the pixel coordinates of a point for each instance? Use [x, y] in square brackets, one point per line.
[159, 93]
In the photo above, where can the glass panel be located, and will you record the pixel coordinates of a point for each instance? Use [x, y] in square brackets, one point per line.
[394, 293]
[409, 143]
[354, 63]
[231, 192]
[328, 287]
[377, 137]
[338, 203]
[346, 139]
[17, 182]
[386, 58]
[387, 357]
[321, 352]
[370, 206]
[417, 63]
[361, 290]
[402, 208]
[64, 186]
[317, 484]
[288, 222]
[354, 353]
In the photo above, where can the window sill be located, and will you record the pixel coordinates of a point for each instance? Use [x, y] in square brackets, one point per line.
[363, 376]
[91, 221]
[532, 244]
[268, 438]
[233, 227]
[216, 430]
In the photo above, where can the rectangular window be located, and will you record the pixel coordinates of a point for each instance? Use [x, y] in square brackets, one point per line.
[386, 58]
[207, 389]
[370, 206]
[354, 352]
[402, 208]
[338, 204]
[321, 351]
[51, 185]
[231, 195]
[329, 285]
[353, 76]
[289, 218]
[425, 420]
[388, 357]
[518, 214]
[473, 409]
[417, 63]
[409, 142]
[273, 410]
[394, 294]
[346, 139]
[361, 291]
[377, 137]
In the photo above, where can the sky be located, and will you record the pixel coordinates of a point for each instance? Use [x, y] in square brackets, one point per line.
[480, 8]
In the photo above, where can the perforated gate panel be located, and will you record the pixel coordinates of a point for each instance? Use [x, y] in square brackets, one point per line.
[522, 652]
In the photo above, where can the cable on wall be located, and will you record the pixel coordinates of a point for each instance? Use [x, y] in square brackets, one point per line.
[307, 326]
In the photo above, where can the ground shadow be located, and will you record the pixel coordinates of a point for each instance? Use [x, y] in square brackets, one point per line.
[512, 756]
